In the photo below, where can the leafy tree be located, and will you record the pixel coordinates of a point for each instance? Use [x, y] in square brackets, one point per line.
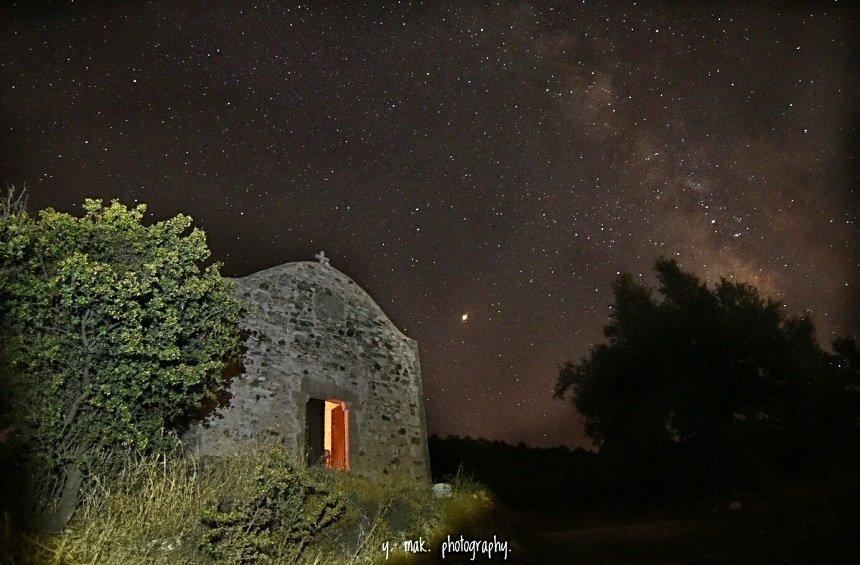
[117, 331]
[14, 234]
[719, 369]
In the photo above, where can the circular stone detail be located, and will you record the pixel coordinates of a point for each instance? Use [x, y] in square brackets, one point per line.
[329, 306]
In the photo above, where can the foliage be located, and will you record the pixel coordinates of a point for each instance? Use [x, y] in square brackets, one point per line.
[392, 511]
[151, 512]
[722, 372]
[117, 332]
[272, 517]
[13, 237]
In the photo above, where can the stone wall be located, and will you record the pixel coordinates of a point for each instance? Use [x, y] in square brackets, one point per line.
[313, 333]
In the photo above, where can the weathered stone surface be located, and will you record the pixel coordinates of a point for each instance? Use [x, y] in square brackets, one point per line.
[313, 333]
[443, 490]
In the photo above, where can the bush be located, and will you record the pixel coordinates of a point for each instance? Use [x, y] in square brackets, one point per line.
[273, 516]
[117, 330]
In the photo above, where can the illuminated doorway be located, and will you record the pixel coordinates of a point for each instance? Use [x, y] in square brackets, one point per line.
[327, 433]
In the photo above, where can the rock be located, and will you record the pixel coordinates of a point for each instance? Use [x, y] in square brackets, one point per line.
[443, 490]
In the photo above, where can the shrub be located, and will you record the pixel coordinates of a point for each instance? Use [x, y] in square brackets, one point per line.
[274, 516]
[117, 329]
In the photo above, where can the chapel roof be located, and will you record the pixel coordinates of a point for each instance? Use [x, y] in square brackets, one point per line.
[320, 274]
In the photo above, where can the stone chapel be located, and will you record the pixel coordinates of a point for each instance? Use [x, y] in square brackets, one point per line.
[326, 373]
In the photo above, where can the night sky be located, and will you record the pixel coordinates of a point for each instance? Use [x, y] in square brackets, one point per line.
[502, 160]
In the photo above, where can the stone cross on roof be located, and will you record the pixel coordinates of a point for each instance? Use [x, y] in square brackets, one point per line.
[323, 260]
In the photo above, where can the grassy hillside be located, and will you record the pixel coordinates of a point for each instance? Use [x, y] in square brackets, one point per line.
[259, 507]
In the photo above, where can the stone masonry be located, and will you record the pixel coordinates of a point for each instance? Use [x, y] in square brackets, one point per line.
[313, 333]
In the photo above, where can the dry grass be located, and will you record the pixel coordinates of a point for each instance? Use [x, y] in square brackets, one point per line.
[151, 514]
[393, 511]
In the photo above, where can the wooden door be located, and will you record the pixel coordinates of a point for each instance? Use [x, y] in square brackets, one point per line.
[338, 438]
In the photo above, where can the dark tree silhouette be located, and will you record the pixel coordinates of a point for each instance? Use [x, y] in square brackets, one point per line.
[716, 371]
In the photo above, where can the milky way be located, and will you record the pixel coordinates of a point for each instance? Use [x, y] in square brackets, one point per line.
[500, 160]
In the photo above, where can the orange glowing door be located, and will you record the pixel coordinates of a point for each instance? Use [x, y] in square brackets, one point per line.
[338, 453]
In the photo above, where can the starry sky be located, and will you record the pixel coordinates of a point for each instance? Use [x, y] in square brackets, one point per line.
[504, 160]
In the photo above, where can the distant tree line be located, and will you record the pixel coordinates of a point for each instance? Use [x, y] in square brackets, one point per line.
[520, 476]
